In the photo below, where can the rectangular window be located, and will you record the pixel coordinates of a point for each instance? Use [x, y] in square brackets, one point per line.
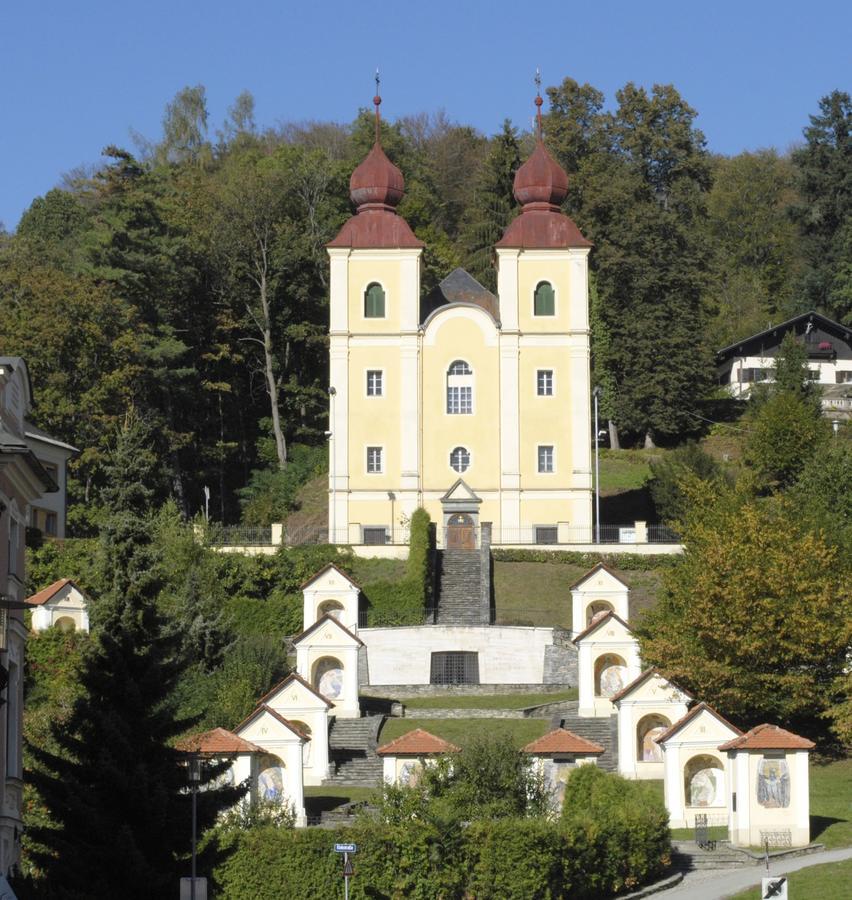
[544, 383]
[843, 377]
[546, 534]
[375, 462]
[459, 400]
[375, 534]
[545, 458]
[50, 524]
[375, 383]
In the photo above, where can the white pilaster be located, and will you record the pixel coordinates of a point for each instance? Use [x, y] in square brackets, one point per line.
[626, 740]
[579, 288]
[800, 792]
[338, 473]
[409, 420]
[510, 438]
[339, 289]
[507, 288]
[409, 310]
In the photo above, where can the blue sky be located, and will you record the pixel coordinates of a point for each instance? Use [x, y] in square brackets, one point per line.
[76, 76]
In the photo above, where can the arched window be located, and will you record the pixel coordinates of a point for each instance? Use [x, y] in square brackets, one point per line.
[374, 301]
[704, 782]
[271, 779]
[460, 459]
[459, 388]
[545, 299]
[65, 623]
[649, 728]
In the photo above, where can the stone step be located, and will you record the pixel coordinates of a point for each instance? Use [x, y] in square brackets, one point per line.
[687, 856]
[355, 734]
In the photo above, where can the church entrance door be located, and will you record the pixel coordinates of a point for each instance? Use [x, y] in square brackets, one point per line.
[461, 534]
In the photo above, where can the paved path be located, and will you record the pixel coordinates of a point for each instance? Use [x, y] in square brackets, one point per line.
[715, 884]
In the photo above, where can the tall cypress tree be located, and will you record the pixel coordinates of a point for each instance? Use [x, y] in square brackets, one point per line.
[117, 791]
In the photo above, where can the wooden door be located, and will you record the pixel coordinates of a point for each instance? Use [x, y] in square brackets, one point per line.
[460, 532]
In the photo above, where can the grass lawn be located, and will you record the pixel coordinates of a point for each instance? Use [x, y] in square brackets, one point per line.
[537, 593]
[530, 593]
[463, 731]
[626, 470]
[492, 701]
[831, 804]
[829, 881]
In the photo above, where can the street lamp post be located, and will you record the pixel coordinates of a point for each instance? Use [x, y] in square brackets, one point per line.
[596, 393]
[194, 779]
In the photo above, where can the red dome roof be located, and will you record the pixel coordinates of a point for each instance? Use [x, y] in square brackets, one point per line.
[377, 181]
[541, 179]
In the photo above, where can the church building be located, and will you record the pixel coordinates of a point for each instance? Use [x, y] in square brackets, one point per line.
[471, 405]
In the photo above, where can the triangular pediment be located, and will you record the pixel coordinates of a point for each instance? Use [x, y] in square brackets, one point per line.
[600, 578]
[609, 627]
[264, 724]
[329, 576]
[294, 693]
[652, 687]
[701, 723]
[460, 492]
[328, 630]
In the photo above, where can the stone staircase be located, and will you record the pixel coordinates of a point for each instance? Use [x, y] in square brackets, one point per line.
[687, 856]
[601, 731]
[459, 587]
[352, 747]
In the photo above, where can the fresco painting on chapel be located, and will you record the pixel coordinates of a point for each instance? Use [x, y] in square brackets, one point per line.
[270, 782]
[705, 784]
[773, 783]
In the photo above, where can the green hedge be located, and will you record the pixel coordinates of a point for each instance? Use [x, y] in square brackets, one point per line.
[403, 602]
[625, 561]
[611, 838]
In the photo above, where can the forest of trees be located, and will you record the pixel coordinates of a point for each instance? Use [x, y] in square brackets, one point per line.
[188, 279]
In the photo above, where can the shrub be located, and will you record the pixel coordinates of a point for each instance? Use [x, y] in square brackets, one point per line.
[621, 829]
[667, 475]
[625, 561]
[514, 859]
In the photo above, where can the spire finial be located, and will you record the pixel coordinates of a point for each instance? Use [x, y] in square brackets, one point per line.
[377, 101]
[538, 101]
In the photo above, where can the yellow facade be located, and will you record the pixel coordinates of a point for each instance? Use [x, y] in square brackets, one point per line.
[392, 441]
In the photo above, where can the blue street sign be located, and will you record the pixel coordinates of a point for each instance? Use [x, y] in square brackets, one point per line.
[345, 848]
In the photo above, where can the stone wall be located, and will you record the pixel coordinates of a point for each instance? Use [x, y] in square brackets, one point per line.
[393, 691]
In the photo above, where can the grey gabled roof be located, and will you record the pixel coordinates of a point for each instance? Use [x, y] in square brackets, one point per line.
[39, 434]
[460, 287]
[813, 316]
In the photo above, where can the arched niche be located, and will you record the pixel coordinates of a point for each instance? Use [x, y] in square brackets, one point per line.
[704, 782]
[330, 608]
[308, 733]
[271, 778]
[596, 609]
[65, 623]
[647, 729]
[328, 677]
[610, 674]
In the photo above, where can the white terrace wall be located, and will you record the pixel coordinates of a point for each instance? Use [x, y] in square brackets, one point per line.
[507, 654]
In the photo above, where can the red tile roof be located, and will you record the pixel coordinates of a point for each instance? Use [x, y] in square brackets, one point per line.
[597, 568]
[277, 716]
[768, 737]
[293, 676]
[628, 689]
[562, 741]
[597, 624]
[417, 743]
[216, 741]
[685, 720]
[47, 593]
[328, 617]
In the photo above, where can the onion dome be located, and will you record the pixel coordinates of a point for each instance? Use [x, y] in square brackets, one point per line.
[377, 182]
[541, 186]
[376, 187]
[541, 180]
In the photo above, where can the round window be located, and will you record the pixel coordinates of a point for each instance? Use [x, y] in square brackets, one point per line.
[460, 459]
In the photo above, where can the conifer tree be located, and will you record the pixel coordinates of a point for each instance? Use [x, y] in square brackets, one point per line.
[493, 206]
[116, 791]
